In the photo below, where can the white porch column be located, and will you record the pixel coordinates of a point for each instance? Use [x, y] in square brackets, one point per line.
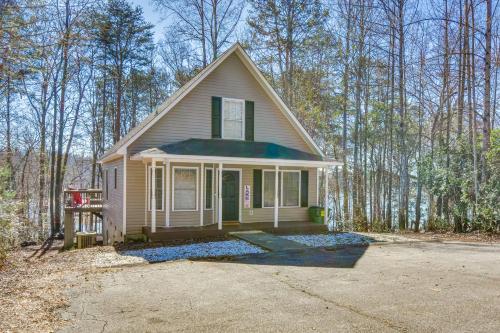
[202, 190]
[276, 199]
[153, 196]
[146, 197]
[325, 173]
[167, 193]
[219, 192]
[214, 193]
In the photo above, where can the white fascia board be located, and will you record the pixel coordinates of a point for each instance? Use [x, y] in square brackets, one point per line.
[234, 160]
[111, 157]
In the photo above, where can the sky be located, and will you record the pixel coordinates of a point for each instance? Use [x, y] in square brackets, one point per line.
[152, 16]
[160, 21]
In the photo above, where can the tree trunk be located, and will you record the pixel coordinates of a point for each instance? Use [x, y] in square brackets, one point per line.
[391, 139]
[404, 176]
[345, 103]
[8, 134]
[201, 12]
[418, 201]
[487, 92]
[64, 82]
[118, 109]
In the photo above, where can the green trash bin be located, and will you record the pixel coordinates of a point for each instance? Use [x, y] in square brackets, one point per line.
[316, 214]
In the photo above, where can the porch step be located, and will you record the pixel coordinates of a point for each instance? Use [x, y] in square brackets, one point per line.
[267, 241]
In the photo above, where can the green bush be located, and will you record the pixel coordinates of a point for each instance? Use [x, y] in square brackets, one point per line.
[439, 225]
[379, 226]
[9, 207]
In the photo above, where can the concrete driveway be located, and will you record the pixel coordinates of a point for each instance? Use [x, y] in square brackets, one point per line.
[422, 286]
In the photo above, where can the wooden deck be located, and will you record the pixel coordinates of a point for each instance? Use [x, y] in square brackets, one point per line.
[184, 233]
[82, 212]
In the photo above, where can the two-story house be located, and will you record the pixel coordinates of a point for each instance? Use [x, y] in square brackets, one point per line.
[223, 148]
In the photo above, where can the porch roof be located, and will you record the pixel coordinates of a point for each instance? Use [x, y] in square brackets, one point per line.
[231, 150]
[237, 148]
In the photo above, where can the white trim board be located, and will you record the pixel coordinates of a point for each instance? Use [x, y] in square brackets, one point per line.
[124, 197]
[158, 154]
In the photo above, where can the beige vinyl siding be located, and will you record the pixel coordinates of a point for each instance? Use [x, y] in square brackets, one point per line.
[136, 196]
[191, 117]
[113, 205]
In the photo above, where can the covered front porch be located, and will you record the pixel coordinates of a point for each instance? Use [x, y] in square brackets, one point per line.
[181, 233]
[215, 186]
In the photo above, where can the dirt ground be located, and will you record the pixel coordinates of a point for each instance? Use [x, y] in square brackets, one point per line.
[422, 286]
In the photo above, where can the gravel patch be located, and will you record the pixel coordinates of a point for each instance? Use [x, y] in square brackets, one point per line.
[191, 251]
[340, 239]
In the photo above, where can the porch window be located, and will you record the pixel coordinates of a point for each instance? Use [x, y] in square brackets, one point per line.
[159, 187]
[208, 188]
[290, 188]
[233, 115]
[268, 187]
[185, 188]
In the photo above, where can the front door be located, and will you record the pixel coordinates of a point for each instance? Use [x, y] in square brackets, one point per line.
[230, 195]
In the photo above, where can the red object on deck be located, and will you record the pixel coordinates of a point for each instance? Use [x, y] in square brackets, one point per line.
[77, 198]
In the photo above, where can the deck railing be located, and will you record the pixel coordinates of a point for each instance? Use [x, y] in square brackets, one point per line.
[83, 199]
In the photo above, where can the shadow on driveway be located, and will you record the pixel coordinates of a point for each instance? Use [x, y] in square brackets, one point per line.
[312, 257]
[341, 250]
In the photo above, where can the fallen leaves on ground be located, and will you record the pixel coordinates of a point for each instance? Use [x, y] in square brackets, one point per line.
[33, 285]
[474, 236]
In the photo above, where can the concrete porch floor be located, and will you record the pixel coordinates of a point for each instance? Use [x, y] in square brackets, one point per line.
[181, 233]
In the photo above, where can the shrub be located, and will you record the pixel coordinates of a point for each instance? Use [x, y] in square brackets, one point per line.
[379, 225]
[438, 224]
[8, 214]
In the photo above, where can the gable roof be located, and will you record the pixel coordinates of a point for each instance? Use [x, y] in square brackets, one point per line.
[120, 147]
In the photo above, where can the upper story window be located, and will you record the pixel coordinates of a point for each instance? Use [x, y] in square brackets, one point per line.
[233, 119]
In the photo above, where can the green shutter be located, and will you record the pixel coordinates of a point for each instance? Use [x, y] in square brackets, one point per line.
[216, 116]
[304, 188]
[257, 188]
[249, 120]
